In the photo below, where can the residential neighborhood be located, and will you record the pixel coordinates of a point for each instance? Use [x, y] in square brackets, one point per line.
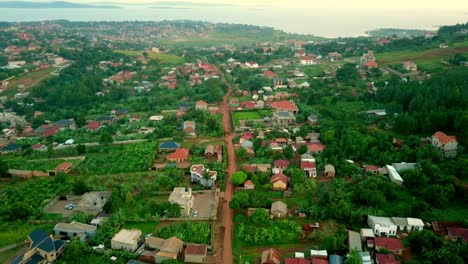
[182, 142]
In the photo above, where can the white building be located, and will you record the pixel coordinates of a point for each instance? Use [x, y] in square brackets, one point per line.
[448, 144]
[182, 196]
[394, 175]
[382, 225]
[126, 239]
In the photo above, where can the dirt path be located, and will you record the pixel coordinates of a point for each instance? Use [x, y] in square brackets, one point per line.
[226, 212]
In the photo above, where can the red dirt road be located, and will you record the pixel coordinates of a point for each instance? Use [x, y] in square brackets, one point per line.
[227, 213]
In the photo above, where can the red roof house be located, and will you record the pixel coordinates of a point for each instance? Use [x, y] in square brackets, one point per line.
[282, 164]
[179, 155]
[394, 245]
[296, 261]
[371, 64]
[319, 261]
[315, 147]
[385, 259]
[64, 167]
[93, 126]
[284, 105]
[270, 74]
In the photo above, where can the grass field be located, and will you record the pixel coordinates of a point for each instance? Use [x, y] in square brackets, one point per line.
[163, 57]
[145, 227]
[421, 57]
[249, 115]
[28, 79]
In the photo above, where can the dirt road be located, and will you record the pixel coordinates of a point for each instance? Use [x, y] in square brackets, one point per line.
[227, 213]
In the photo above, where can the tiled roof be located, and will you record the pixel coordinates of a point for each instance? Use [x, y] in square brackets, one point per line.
[169, 145]
[180, 153]
[279, 177]
[296, 261]
[284, 105]
[443, 138]
[63, 166]
[193, 249]
[281, 163]
[388, 243]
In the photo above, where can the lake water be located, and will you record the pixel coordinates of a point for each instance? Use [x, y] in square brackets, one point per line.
[320, 21]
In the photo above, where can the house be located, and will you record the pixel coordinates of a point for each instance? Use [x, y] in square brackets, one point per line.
[367, 57]
[382, 225]
[366, 257]
[279, 181]
[308, 60]
[319, 254]
[385, 259]
[283, 105]
[280, 165]
[408, 224]
[278, 210]
[271, 256]
[313, 120]
[251, 65]
[10, 148]
[183, 197]
[64, 167]
[205, 177]
[309, 167]
[443, 46]
[249, 185]
[403, 166]
[170, 249]
[303, 85]
[354, 241]
[457, 234]
[300, 53]
[201, 105]
[169, 146]
[393, 245]
[335, 259]
[319, 261]
[190, 128]
[371, 64]
[154, 242]
[269, 75]
[334, 56]
[156, 118]
[93, 126]
[73, 229]
[371, 169]
[65, 123]
[214, 151]
[410, 66]
[394, 175]
[39, 147]
[195, 253]
[283, 119]
[180, 155]
[277, 82]
[329, 171]
[42, 249]
[367, 236]
[296, 261]
[447, 144]
[105, 120]
[126, 240]
[315, 147]
[247, 144]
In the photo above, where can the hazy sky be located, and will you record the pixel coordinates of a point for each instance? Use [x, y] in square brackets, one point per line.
[359, 4]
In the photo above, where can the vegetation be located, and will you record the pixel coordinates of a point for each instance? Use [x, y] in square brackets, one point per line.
[189, 232]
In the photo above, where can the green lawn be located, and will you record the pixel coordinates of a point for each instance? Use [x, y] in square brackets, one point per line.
[18, 232]
[432, 56]
[145, 227]
[8, 255]
[249, 115]
[456, 212]
[163, 57]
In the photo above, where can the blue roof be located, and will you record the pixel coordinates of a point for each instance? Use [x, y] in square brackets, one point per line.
[105, 118]
[169, 145]
[40, 129]
[11, 147]
[35, 259]
[58, 244]
[64, 122]
[335, 259]
[18, 259]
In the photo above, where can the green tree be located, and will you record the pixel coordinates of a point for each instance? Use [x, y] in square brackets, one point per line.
[353, 258]
[259, 217]
[81, 149]
[3, 169]
[80, 186]
[238, 178]
[106, 138]
[3, 60]
[302, 149]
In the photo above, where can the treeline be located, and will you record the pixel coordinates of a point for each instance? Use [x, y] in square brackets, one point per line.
[432, 105]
